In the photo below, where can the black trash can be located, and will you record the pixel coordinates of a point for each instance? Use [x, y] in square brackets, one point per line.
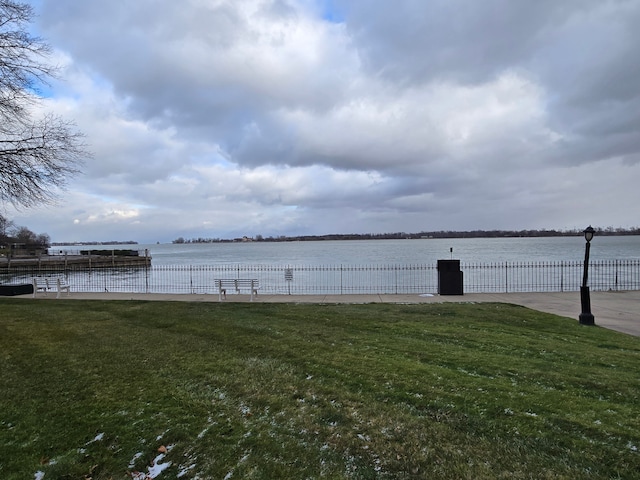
[449, 277]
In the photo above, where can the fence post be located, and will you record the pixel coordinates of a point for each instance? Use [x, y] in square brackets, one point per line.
[288, 277]
[395, 271]
[146, 270]
[506, 277]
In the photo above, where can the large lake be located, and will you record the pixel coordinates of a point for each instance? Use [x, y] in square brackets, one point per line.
[375, 266]
[398, 252]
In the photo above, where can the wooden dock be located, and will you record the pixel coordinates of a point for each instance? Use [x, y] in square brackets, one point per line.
[86, 260]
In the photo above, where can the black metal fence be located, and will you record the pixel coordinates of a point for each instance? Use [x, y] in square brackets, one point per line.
[344, 279]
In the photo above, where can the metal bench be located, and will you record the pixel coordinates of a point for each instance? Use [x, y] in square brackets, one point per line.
[237, 284]
[61, 286]
[44, 284]
[40, 285]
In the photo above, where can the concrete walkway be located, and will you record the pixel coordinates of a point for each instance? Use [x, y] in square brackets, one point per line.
[618, 311]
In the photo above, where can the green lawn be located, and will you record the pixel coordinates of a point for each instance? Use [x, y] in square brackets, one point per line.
[115, 389]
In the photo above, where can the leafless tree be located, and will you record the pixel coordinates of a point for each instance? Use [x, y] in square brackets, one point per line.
[5, 227]
[37, 155]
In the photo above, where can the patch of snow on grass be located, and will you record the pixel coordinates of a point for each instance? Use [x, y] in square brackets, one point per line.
[185, 470]
[154, 470]
[156, 467]
[132, 463]
[97, 438]
[39, 475]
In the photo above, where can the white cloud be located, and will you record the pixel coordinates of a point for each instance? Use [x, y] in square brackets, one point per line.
[217, 118]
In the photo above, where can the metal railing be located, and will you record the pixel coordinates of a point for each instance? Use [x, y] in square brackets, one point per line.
[344, 279]
[550, 276]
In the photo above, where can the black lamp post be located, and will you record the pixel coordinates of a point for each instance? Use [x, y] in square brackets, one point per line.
[586, 317]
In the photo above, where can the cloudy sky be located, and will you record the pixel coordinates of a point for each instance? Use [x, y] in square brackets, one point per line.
[223, 118]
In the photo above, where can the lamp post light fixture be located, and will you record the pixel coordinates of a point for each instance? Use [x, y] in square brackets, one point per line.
[586, 317]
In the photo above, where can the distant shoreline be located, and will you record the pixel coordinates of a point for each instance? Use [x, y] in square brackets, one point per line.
[416, 236]
[442, 234]
[82, 244]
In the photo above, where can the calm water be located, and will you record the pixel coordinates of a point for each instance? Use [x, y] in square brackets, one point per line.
[374, 266]
[397, 252]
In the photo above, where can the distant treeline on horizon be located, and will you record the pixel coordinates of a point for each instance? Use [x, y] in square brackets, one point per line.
[81, 244]
[413, 236]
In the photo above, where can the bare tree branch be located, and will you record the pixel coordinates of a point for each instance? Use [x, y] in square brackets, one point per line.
[37, 156]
